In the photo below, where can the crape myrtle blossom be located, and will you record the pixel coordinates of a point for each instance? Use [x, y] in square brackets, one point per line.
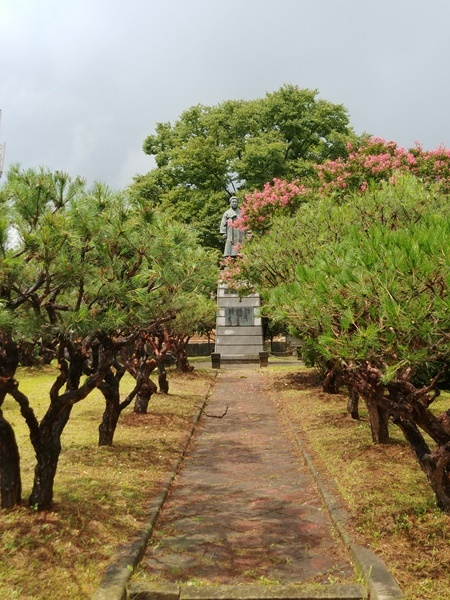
[377, 161]
[366, 166]
[258, 206]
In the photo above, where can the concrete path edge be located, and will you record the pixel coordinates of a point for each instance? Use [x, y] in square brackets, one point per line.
[372, 569]
[172, 591]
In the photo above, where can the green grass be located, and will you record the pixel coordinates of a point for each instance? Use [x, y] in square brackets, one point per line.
[101, 494]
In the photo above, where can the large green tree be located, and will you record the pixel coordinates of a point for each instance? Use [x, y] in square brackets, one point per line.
[212, 152]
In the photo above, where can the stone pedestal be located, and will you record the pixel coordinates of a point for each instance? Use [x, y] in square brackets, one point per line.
[239, 336]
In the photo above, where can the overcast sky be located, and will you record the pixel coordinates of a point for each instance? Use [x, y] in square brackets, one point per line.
[83, 82]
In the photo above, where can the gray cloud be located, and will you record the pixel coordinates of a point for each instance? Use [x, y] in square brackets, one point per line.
[83, 82]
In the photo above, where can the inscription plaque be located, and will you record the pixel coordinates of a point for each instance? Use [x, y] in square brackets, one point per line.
[236, 316]
[229, 292]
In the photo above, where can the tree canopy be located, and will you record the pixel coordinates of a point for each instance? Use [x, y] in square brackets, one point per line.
[212, 152]
[85, 276]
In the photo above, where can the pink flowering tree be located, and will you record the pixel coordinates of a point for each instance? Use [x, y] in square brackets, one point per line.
[277, 197]
[433, 165]
[365, 167]
[378, 160]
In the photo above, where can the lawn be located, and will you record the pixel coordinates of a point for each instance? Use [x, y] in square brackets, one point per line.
[101, 494]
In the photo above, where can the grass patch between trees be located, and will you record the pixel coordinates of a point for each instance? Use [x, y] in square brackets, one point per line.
[102, 494]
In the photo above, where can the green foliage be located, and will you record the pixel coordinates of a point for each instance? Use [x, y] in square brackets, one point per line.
[367, 280]
[210, 153]
[35, 193]
[90, 260]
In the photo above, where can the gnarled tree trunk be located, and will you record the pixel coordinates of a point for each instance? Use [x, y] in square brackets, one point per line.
[162, 379]
[332, 379]
[353, 403]
[110, 388]
[379, 422]
[180, 351]
[10, 481]
[110, 416]
[48, 450]
[366, 382]
[145, 387]
[436, 464]
[146, 391]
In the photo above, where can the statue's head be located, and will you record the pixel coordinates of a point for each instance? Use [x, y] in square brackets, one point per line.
[234, 202]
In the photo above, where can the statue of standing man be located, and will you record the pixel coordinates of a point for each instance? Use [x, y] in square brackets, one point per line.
[234, 237]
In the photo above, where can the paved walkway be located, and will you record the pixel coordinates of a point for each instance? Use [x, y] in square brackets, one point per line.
[244, 508]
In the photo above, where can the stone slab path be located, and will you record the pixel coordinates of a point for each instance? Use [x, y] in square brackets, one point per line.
[244, 508]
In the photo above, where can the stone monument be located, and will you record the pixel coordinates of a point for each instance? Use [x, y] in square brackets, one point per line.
[239, 336]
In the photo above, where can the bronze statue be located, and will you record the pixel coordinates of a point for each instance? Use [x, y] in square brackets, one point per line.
[233, 236]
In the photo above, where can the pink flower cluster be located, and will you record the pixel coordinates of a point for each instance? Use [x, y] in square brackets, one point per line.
[370, 164]
[232, 270]
[258, 206]
[434, 165]
[377, 161]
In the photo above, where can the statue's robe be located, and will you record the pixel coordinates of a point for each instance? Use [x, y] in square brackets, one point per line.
[234, 236]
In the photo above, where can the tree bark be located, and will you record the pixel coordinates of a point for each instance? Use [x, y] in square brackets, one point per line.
[379, 422]
[145, 387]
[143, 397]
[111, 415]
[162, 379]
[367, 382]
[353, 403]
[48, 450]
[27, 357]
[436, 464]
[182, 362]
[110, 388]
[180, 349]
[332, 380]
[10, 481]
